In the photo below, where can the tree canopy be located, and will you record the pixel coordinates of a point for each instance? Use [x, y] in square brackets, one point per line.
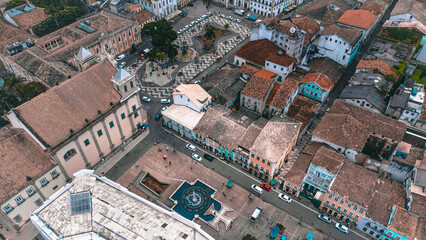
[14, 3]
[60, 12]
[161, 33]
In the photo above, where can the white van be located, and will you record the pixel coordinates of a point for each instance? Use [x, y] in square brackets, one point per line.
[120, 57]
[239, 12]
[256, 214]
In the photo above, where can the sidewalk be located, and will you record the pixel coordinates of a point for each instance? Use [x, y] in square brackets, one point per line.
[109, 163]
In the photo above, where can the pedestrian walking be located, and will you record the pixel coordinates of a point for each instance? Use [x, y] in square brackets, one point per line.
[170, 163]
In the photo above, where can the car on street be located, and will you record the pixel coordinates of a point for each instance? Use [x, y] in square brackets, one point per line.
[197, 21]
[146, 99]
[342, 227]
[204, 16]
[186, 27]
[180, 31]
[324, 218]
[256, 189]
[164, 108]
[284, 197]
[209, 14]
[257, 21]
[120, 57]
[197, 82]
[266, 187]
[192, 23]
[237, 20]
[122, 64]
[165, 101]
[196, 157]
[208, 157]
[158, 116]
[191, 147]
[229, 18]
[221, 15]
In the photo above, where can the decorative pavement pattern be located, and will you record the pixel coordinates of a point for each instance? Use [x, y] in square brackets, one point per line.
[196, 67]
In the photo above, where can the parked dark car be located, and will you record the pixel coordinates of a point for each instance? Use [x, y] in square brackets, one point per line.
[208, 157]
[190, 4]
[158, 116]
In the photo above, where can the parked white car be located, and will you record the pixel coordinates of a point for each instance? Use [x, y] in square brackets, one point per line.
[342, 227]
[165, 101]
[164, 108]
[196, 157]
[191, 147]
[256, 189]
[146, 99]
[284, 197]
[325, 218]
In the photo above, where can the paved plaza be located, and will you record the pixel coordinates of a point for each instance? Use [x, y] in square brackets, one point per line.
[177, 168]
[160, 85]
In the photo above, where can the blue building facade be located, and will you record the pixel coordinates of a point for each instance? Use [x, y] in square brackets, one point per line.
[313, 91]
[317, 179]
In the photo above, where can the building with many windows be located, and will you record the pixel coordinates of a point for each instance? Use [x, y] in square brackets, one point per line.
[316, 86]
[81, 121]
[55, 56]
[270, 8]
[28, 177]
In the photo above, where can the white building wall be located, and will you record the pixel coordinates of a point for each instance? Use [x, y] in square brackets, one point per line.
[334, 47]
[181, 99]
[403, 18]
[361, 103]
[282, 71]
[239, 61]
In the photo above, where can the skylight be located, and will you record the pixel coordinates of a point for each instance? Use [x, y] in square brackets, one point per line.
[80, 203]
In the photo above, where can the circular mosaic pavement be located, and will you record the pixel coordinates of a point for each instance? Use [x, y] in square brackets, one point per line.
[195, 200]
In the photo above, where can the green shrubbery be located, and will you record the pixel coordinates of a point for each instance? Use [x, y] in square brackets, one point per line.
[61, 13]
[14, 3]
[419, 74]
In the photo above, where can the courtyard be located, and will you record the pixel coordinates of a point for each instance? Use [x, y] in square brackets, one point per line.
[176, 173]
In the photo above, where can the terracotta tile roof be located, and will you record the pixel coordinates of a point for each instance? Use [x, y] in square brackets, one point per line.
[135, 7]
[414, 7]
[358, 18]
[404, 223]
[349, 126]
[275, 138]
[104, 22]
[328, 67]
[414, 155]
[263, 73]
[310, 26]
[284, 92]
[320, 79]
[418, 206]
[303, 109]
[281, 59]
[20, 157]
[324, 12]
[297, 172]
[355, 183]
[257, 51]
[32, 18]
[51, 115]
[373, 7]
[143, 16]
[258, 85]
[328, 159]
[349, 34]
[273, 93]
[248, 69]
[10, 34]
[380, 65]
[284, 25]
[385, 195]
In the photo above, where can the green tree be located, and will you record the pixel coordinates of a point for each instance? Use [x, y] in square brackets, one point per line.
[210, 34]
[7, 101]
[161, 56]
[152, 56]
[13, 84]
[31, 90]
[171, 50]
[161, 32]
[14, 3]
[53, 12]
[226, 26]
[249, 237]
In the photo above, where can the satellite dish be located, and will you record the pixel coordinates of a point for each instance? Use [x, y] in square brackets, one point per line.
[292, 30]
